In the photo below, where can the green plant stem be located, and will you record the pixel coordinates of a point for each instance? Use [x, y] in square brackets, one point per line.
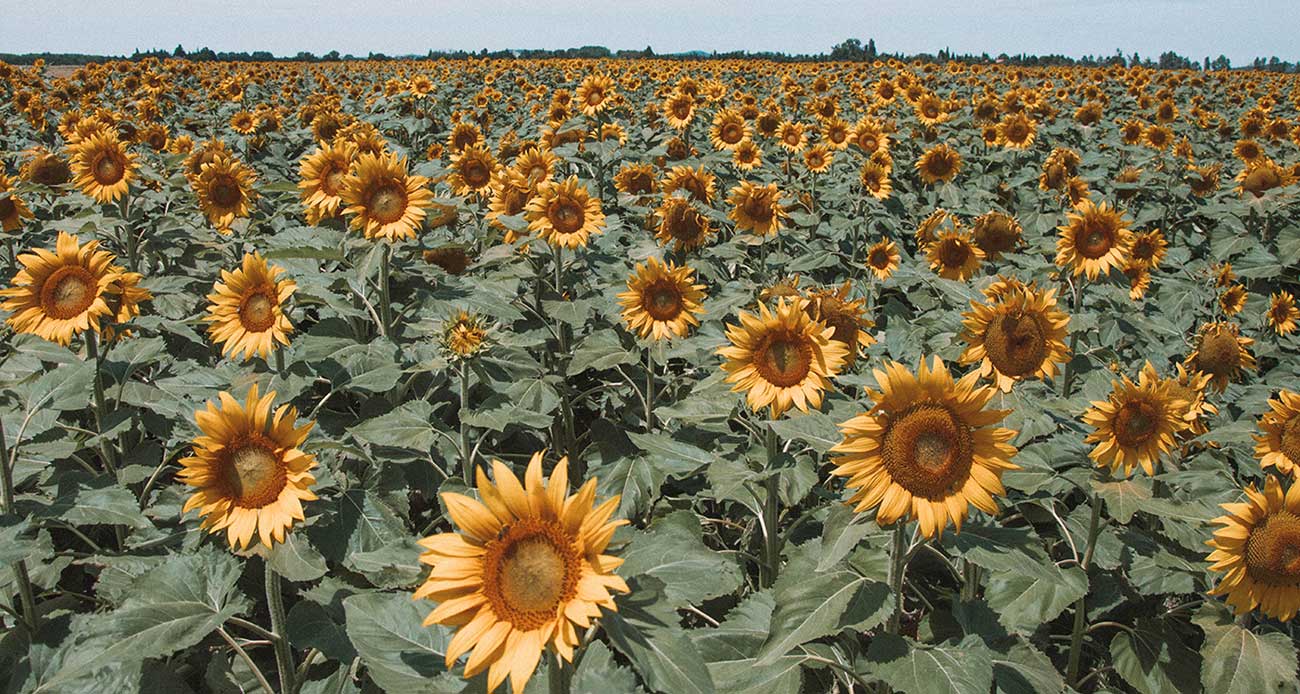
[1076, 301]
[261, 679]
[385, 303]
[275, 605]
[26, 595]
[970, 582]
[771, 565]
[897, 565]
[92, 353]
[559, 676]
[562, 338]
[132, 260]
[649, 390]
[279, 362]
[466, 455]
[1080, 607]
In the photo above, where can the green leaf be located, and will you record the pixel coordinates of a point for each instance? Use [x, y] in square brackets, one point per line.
[814, 428]
[1154, 660]
[841, 533]
[600, 351]
[914, 668]
[673, 454]
[812, 606]
[84, 500]
[401, 655]
[1239, 661]
[673, 551]
[1024, 670]
[296, 560]
[312, 626]
[731, 647]
[599, 674]
[1033, 593]
[1123, 498]
[660, 651]
[407, 426]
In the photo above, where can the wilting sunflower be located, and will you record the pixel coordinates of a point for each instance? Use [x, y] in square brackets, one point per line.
[526, 571]
[60, 294]
[45, 168]
[247, 308]
[698, 183]
[661, 301]
[781, 357]
[1256, 551]
[636, 179]
[1204, 180]
[939, 163]
[1278, 442]
[875, 181]
[1018, 336]
[883, 258]
[464, 336]
[1222, 352]
[926, 450]
[321, 175]
[471, 171]
[1189, 387]
[510, 195]
[682, 224]
[102, 167]
[386, 202]
[453, 258]
[756, 209]
[996, 233]
[12, 208]
[564, 214]
[1261, 176]
[953, 254]
[1283, 316]
[848, 318]
[1137, 424]
[250, 476]
[224, 189]
[1094, 240]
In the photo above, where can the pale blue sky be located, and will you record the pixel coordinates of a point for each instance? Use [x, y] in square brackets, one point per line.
[1195, 28]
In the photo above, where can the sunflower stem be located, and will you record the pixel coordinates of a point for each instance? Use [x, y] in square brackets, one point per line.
[385, 304]
[897, 566]
[131, 260]
[771, 565]
[26, 595]
[92, 353]
[1076, 300]
[1080, 607]
[466, 455]
[649, 390]
[559, 676]
[970, 582]
[275, 605]
[279, 362]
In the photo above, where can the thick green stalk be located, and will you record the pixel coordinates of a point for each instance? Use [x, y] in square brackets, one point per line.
[771, 565]
[92, 353]
[559, 676]
[1080, 607]
[466, 455]
[897, 566]
[385, 303]
[25, 593]
[275, 605]
[649, 390]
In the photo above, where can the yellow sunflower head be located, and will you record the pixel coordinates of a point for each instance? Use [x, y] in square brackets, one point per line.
[247, 309]
[383, 200]
[939, 163]
[953, 254]
[847, 317]
[102, 167]
[472, 171]
[1017, 336]
[875, 181]
[756, 209]
[249, 474]
[12, 208]
[781, 357]
[224, 189]
[1277, 444]
[464, 336]
[699, 184]
[747, 156]
[1137, 424]
[996, 233]
[636, 179]
[1283, 316]
[321, 175]
[883, 259]
[1190, 387]
[564, 214]
[1222, 352]
[59, 294]
[662, 300]
[1149, 248]
[1095, 240]
[526, 571]
[928, 448]
[45, 168]
[1256, 551]
[729, 129]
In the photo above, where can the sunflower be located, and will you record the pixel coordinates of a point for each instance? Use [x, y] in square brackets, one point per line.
[1204, 180]
[756, 209]
[817, 159]
[1189, 387]
[1222, 352]
[206, 153]
[698, 183]
[927, 230]
[247, 308]
[636, 179]
[1277, 444]
[536, 165]
[250, 476]
[564, 214]
[679, 111]
[464, 336]
[1261, 176]
[781, 357]
[869, 136]
[729, 130]
[1282, 313]
[510, 195]
[1232, 300]
[1256, 551]
[835, 133]
[594, 94]
[472, 170]
[453, 258]
[102, 167]
[661, 300]
[1095, 240]
[12, 208]
[463, 135]
[848, 318]
[526, 572]
[1149, 248]
[954, 255]
[1016, 131]
[1248, 151]
[747, 156]
[926, 450]
[682, 224]
[996, 233]
[791, 137]
[386, 202]
[59, 294]
[1020, 335]
[882, 259]
[45, 168]
[939, 163]
[1136, 424]
[875, 181]
[243, 122]
[224, 188]
[321, 175]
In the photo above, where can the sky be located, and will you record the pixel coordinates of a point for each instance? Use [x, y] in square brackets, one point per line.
[1240, 30]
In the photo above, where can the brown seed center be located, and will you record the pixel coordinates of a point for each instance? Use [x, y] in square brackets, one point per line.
[1218, 353]
[226, 191]
[68, 292]
[255, 472]
[1273, 550]
[784, 359]
[388, 204]
[107, 169]
[1135, 423]
[662, 300]
[566, 215]
[1016, 344]
[257, 311]
[928, 451]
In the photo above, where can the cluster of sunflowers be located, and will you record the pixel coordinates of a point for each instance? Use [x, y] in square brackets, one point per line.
[461, 265]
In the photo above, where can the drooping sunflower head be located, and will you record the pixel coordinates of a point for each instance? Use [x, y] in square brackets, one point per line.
[472, 170]
[1137, 424]
[1222, 352]
[1189, 387]
[926, 450]
[59, 294]
[847, 317]
[1204, 180]
[12, 208]
[953, 254]
[224, 189]
[636, 179]
[383, 200]
[320, 178]
[698, 183]
[1277, 444]
[1258, 551]
[1283, 316]
[525, 572]
[564, 214]
[205, 153]
[102, 167]
[45, 168]
[249, 474]
[927, 231]
[453, 258]
[883, 259]
[757, 209]
[463, 134]
[1232, 300]
[247, 308]
[1018, 336]
[682, 224]
[465, 335]
[662, 300]
[996, 233]
[1261, 176]
[1095, 240]
[781, 357]
[939, 163]
[510, 196]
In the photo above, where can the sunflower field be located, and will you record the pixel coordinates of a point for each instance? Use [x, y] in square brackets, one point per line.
[594, 377]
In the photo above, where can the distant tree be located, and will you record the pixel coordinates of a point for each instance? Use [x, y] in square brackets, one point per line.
[331, 56]
[179, 52]
[1221, 63]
